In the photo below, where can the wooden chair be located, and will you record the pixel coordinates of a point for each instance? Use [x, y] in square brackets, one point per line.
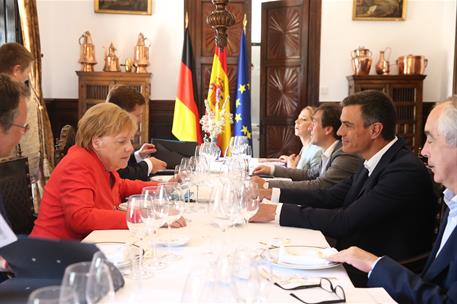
[64, 142]
[15, 188]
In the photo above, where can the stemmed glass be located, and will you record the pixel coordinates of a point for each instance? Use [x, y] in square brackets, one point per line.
[250, 199]
[155, 216]
[175, 212]
[53, 295]
[135, 221]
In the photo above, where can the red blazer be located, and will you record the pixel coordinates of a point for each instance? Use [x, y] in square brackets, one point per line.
[78, 198]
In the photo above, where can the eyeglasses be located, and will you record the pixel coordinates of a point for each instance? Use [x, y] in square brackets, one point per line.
[25, 127]
[326, 285]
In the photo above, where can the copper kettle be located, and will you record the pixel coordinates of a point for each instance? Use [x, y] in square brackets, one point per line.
[87, 52]
[111, 60]
[361, 61]
[411, 65]
[141, 54]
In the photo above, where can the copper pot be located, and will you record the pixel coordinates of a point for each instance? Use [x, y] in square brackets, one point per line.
[411, 65]
[361, 61]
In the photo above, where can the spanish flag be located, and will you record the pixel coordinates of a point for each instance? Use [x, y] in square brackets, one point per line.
[219, 95]
[186, 120]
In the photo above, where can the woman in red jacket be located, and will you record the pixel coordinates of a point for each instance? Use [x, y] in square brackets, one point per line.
[84, 190]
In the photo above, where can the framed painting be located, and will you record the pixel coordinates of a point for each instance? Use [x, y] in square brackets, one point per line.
[379, 10]
[136, 7]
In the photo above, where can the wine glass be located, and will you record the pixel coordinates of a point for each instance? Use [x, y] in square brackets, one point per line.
[135, 222]
[99, 284]
[53, 295]
[155, 216]
[250, 199]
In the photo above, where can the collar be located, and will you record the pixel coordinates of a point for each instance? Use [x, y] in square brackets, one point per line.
[371, 164]
[450, 198]
[327, 153]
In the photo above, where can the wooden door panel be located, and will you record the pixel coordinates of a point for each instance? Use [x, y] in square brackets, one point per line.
[283, 91]
[283, 35]
[289, 70]
[281, 140]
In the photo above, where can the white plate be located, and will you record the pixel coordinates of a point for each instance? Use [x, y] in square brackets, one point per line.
[272, 256]
[118, 253]
[176, 239]
[122, 206]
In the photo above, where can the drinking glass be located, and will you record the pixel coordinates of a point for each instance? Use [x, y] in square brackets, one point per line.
[250, 199]
[135, 208]
[155, 216]
[89, 286]
[53, 295]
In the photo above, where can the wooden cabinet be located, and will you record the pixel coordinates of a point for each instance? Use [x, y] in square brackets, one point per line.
[406, 93]
[94, 87]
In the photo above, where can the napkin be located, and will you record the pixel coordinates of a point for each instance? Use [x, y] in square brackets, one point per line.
[305, 255]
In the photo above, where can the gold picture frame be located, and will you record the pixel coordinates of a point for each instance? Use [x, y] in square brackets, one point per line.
[379, 10]
[135, 7]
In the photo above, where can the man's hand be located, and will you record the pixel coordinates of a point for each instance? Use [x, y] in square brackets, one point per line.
[265, 193]
[181, 222]
[284, 158]
[146, 149]
[258, 180]
[262, 169]
[157, 164]
[293, 161]
[265, 214]
[360, 259]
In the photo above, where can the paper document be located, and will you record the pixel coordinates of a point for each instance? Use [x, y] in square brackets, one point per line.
[7, 235]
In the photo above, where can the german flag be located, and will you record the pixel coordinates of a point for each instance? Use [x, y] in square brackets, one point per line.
[186, 120]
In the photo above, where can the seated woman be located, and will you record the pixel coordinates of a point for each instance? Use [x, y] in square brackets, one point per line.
[309, 157]
[84, 190]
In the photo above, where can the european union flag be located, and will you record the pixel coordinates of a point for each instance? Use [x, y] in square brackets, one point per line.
[243, 95]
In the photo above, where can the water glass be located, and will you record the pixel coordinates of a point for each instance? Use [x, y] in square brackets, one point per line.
[53, 295]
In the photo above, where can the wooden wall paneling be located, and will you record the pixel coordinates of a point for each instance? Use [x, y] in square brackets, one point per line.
[10, 27]
[289, 71]
[202, 36]
[161, 118]
[62, 112]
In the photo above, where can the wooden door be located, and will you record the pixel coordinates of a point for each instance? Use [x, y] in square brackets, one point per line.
[202, 36]
[289, 71]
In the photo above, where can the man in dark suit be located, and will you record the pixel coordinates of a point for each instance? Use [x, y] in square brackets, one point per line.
[438, 281]
[140, 164]
[336, 165]
[386, 207]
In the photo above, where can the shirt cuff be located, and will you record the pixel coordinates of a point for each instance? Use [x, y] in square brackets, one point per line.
[149, 163]
[275, 193]
[278, 213]
[138, 158]
[272, 169]
[374, 265]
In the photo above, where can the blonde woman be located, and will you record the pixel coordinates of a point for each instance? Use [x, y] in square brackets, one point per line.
[85, 189]
[309, 157]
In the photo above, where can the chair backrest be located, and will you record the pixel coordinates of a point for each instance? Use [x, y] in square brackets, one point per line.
[64, 142]
[16, 190]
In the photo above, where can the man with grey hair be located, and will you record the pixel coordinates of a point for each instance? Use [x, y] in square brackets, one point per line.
[13, 117]
[438, 281]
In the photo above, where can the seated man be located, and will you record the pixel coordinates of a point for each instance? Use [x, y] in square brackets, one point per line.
[140, 165]
[386, 207]
[336, 164]
[438, 281]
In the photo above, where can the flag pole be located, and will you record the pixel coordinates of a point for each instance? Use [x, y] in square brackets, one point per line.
[186, 20]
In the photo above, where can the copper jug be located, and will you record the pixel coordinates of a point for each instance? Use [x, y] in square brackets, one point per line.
[383, 66]
[412, 65]
[111, 60]
[87, 52]
[361, 61]
[141, 55]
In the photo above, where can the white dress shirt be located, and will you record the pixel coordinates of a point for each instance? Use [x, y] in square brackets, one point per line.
[371, 164]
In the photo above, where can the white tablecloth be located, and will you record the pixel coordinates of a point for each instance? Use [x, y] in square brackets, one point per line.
[167, 285]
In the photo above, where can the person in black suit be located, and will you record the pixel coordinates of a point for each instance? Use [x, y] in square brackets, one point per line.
[386, 207]
[438, 281]
[140, 164]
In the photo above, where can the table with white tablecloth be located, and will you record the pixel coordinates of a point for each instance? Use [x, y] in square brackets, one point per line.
[166, 285]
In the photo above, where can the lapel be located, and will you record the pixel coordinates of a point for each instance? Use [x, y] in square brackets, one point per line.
[334, 152]
[435, 266]
[385, 160]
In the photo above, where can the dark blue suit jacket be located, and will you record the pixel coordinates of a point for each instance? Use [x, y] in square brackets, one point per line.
[389, 213]
[135, 170]
[436, 284]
